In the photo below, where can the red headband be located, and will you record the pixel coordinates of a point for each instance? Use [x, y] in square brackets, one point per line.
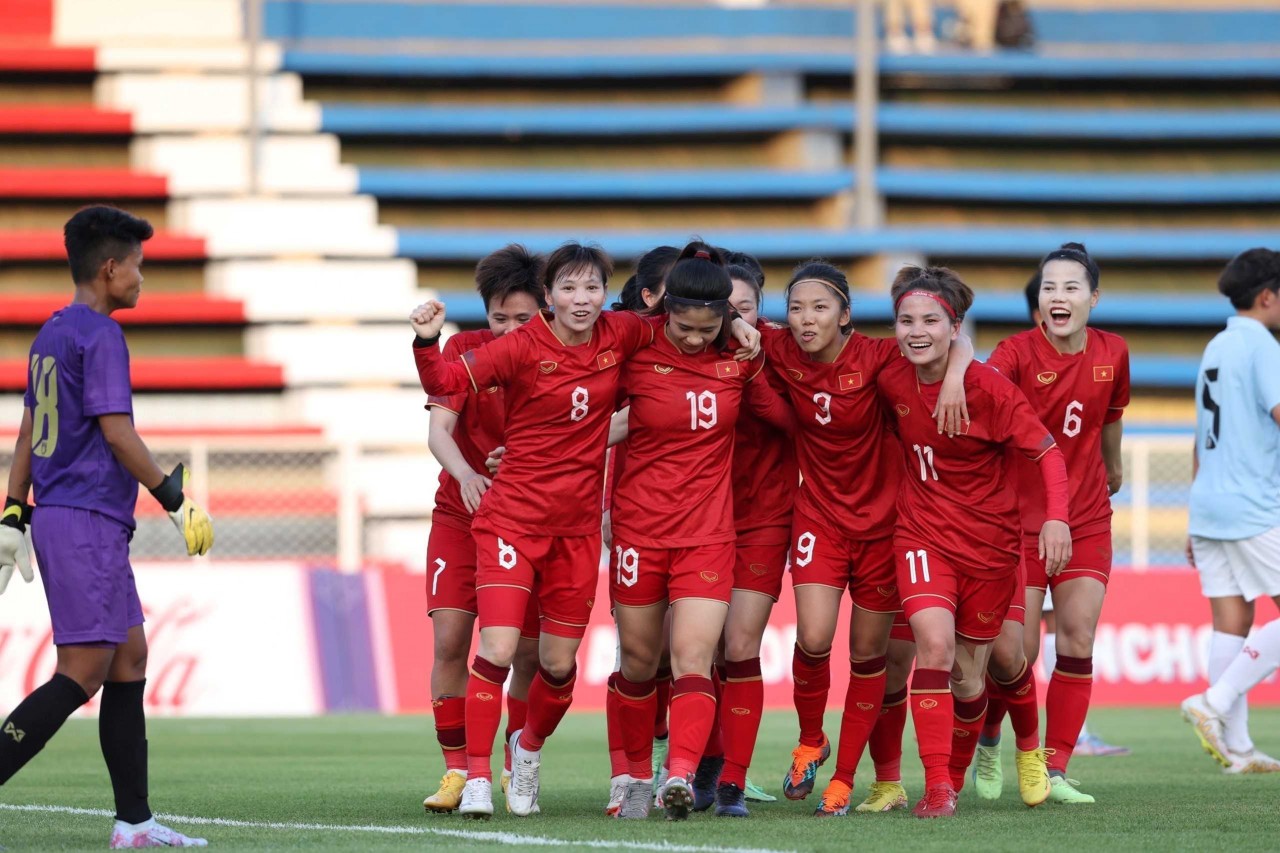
[951, 312]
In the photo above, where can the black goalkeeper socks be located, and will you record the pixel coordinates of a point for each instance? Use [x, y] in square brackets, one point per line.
[122, 732]
[35, 721]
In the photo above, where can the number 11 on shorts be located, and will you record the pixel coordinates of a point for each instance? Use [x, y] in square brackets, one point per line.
[912, 556]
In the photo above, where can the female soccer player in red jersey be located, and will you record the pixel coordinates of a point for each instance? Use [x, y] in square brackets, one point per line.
[957, 542]
[843, 516]
[560, 374]
[1077, 379]
[685, 391]
[464, 428]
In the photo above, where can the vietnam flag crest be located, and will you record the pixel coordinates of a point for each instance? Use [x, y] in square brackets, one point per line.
[851, 381]
[728, 368]
[1104, 373]
[606, 360]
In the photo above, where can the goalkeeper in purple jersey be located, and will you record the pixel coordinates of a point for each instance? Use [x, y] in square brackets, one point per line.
[78, 451]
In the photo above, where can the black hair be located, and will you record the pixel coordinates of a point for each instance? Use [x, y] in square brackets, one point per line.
[746, 261]
[816, 268]
[100, 233]
[940, 281]
[1247, 275]
[1032, 293]
[511, 269]
[571, 257]
[740, 273]
[699, 275]
[651, 270]
[1071, 252]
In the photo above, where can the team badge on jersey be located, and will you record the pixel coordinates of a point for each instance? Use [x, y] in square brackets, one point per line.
[902, 410]
[851, 381]
[606, 359]
[1047, 377]
[709, 577]
[986, 617]
[1104, 373]
[664, 369]
[758, 569]
[795, 374]
[728, 368]
[546, 366]
[492, 389]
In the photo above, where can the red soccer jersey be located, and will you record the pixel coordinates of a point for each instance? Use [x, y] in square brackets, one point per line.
[766, 477]
[675, 489]
[845, 451]
[478, 430]
[1074, 395]
[956, 494]
[559, 400]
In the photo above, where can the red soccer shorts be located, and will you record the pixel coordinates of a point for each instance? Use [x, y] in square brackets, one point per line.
[822, 557]
[641, 576]
[759, 568]
[928, 578]
[1018, 606]
[564, 571]
[451, 569]
[902, 629]
[1090, 558]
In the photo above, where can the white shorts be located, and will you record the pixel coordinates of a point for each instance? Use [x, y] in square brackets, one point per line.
[1245, 567]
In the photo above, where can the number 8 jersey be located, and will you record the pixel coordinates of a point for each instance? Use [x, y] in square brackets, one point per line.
[1073, 395]
[78, 370]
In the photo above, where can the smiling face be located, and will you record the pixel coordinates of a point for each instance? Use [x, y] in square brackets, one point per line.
[745, 299]
[577, 297]
[124, 280]
[511, 312]
[693, 329]
[815, 315]
[925, 332]
[1065, 298]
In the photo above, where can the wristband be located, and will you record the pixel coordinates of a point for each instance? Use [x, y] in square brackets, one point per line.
[169, 493]
[17, 514]
[419, 342]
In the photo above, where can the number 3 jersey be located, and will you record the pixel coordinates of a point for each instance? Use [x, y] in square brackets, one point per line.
[674, 490]
[957, 496]
[559, 400]
[1073, 395]
[78, 370]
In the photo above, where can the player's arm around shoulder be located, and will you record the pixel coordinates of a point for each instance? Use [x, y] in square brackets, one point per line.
[127, 446]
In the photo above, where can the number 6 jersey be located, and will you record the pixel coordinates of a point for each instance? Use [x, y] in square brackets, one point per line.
[78, 370]
[1073, 395]
[559, 401]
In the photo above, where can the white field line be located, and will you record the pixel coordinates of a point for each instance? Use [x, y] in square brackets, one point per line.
[511, 838]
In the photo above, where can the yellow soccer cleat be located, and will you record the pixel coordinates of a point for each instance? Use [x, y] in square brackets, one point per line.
[884, 797]
[449, 797]
[1033, 776]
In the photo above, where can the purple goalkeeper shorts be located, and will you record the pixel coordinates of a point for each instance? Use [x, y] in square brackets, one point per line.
[84, 566]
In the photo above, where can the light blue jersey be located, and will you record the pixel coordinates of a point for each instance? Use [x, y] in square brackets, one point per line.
[1236, 493]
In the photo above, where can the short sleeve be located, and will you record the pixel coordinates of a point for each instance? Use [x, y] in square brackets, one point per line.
[1005, 359]
[29, 396]
[106, 373]
[1266, 375]
[1120, 388]
[451, 351]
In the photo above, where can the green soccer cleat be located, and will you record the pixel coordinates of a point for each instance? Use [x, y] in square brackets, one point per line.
[756, 794]
[1063, 790]
[988, 774]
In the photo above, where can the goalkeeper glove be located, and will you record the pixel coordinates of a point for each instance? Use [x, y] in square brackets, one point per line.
[13, 542]
[192, 521]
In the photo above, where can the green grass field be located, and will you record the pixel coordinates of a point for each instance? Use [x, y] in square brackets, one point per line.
[368, 775]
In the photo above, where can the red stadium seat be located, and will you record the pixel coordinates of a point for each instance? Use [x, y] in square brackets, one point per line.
[80, 183]
[46, 245]
[159, 309]
[176, 374]
[37, 57]
[63, 119]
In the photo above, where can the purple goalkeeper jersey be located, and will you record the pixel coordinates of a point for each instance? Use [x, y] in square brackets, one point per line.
[79, 369]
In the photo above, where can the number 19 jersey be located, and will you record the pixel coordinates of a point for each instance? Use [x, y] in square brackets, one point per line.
[1073, 395]
[559, 401]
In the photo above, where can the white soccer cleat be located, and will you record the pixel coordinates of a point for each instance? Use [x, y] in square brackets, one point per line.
[1253, 761]
[477, 799]
[127, 836]
[1209, 726]
[617, 792]
[677, 798]
[522, 796]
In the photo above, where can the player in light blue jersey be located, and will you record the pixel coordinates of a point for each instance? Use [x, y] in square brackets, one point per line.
[1234, 528]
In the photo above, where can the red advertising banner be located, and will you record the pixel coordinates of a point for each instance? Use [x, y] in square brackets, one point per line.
[1150, 647]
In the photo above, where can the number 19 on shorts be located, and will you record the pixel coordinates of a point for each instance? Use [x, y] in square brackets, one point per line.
[918, 556]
